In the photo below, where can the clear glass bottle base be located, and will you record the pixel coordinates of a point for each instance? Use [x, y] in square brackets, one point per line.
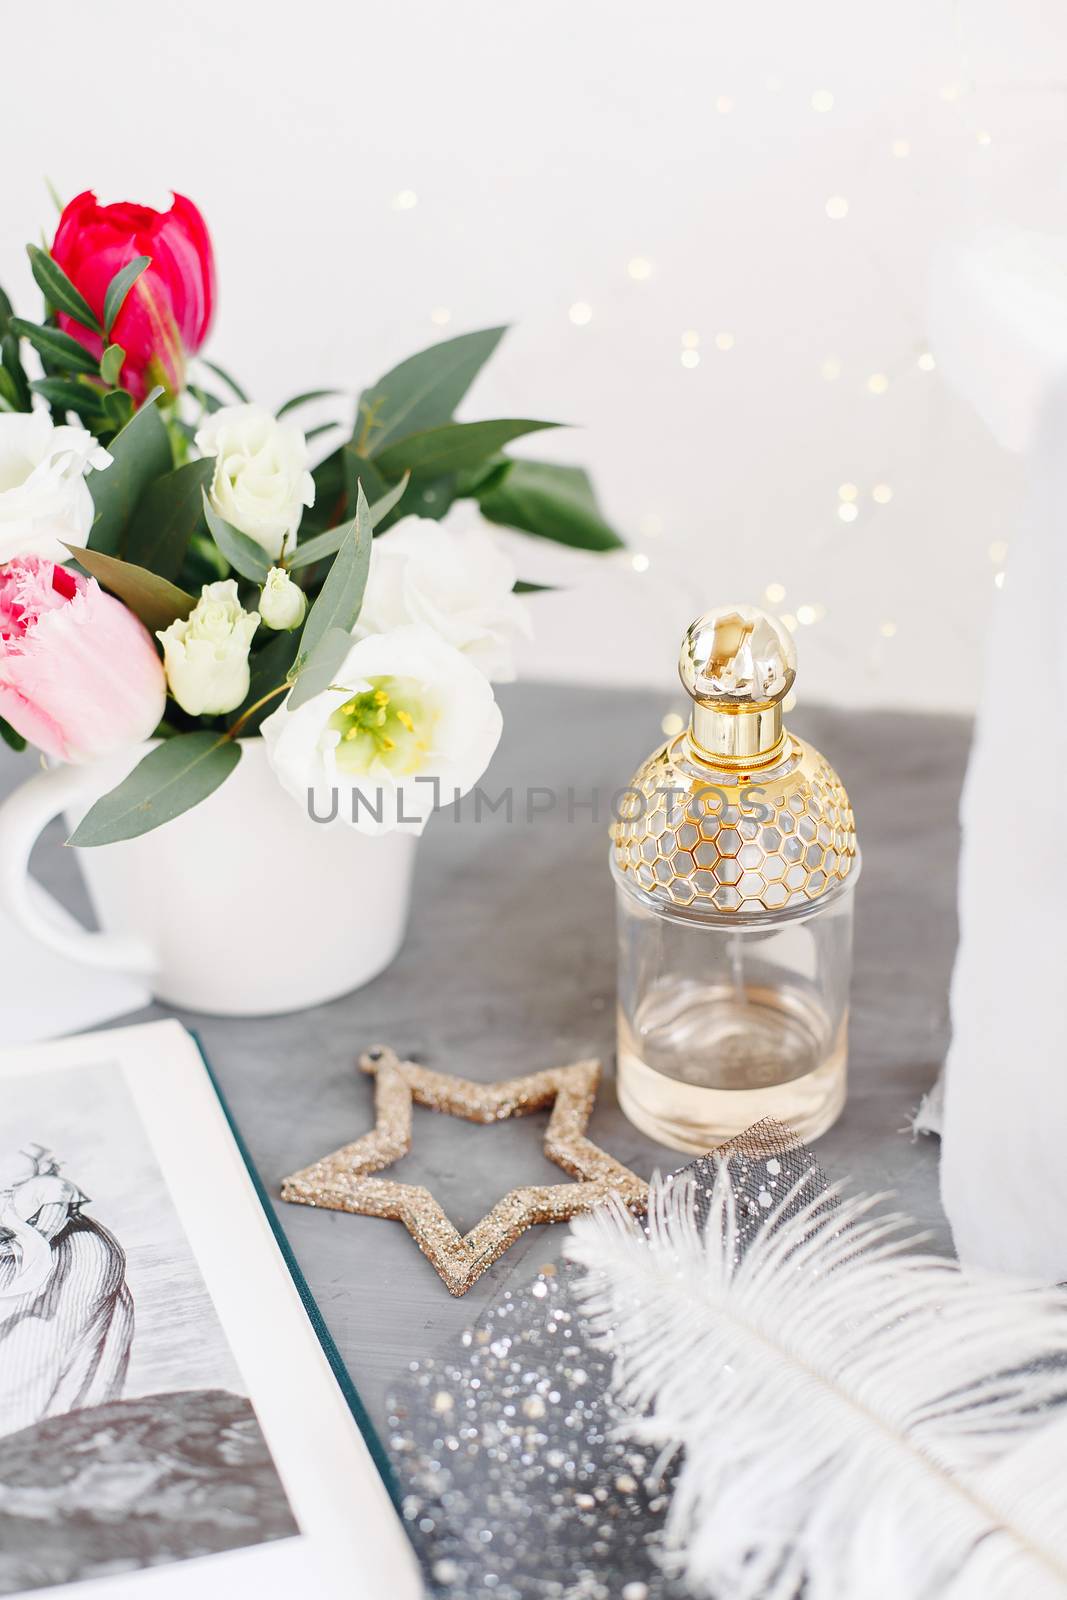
[706, 1061]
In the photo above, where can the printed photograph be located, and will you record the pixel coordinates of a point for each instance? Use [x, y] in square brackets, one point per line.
[126, 1437]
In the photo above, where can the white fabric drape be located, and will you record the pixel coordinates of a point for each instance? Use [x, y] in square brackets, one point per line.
[1000, 316]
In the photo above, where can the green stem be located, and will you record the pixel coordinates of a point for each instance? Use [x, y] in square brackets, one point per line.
[272, 694]
[370, 421]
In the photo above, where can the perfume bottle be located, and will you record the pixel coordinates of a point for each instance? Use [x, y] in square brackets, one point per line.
[735, 861]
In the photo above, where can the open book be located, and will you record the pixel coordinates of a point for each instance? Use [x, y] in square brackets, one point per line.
[169, 1420]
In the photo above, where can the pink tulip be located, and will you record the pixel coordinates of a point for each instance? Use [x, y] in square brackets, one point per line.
[79, 675]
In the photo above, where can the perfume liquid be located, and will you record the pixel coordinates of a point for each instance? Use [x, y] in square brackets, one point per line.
[720, 1028]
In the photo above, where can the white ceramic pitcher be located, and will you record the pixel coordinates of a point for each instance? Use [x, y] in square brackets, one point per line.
[243, 906]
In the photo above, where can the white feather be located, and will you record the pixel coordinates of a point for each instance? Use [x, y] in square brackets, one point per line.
[850, 1412]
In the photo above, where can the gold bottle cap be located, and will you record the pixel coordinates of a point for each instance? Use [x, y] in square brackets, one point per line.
[738, 664]
[734, 817]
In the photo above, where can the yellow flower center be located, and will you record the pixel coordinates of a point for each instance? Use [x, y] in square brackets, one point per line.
[391, 723]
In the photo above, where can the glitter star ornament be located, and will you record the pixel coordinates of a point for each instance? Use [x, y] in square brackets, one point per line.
[343, 1181]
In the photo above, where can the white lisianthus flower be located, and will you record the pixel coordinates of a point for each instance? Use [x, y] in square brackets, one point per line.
[283, 603]
[261, 483]
[408, 723]
[453, 576]
[205, 655]
[44, 500]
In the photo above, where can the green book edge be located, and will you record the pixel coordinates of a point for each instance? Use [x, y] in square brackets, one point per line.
[322, 1332]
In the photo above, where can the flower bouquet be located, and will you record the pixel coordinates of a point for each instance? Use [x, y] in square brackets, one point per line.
[176, 566]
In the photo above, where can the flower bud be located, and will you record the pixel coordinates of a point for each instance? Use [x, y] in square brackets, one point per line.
[205, 655]
[283, 603]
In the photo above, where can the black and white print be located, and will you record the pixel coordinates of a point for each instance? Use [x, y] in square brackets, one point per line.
[126, 1437]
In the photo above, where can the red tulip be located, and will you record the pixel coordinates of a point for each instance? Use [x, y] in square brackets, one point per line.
[166, 314]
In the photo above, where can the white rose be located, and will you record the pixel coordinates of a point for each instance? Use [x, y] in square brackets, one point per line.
[261, 483]
[44, 500]
[403, 706]
[283, 603]
[205, 655]
[453, 576]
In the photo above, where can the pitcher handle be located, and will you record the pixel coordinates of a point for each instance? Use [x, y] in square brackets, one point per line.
[23, 817]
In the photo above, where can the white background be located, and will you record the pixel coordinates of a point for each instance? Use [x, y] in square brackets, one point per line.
[551, 145]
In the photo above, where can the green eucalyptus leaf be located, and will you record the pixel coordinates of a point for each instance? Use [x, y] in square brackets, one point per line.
[12, 365]
[385, 503]
[66, 394]
[423, 391]
[204, 563]
[231, 383]
[358, 469]
[315, 671]
[59, 291]
[331, 498]
[10, 737]
[427, 497]
[140, 453]
[342, 593]
[486, 475]
[319, 429]
[59, 347]
[454, 446]
[520, 586]
[324, 544]
[307, 398]
[170, 779]
[155, 600]
[552, 502]
[335, 480]
[16, 388]
[244, 554]
[111, 364]
[207, 402]
[118, 408]
[169, 512]
[119, 288]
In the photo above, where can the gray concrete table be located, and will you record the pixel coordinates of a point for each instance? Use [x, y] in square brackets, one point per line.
[509, 967]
